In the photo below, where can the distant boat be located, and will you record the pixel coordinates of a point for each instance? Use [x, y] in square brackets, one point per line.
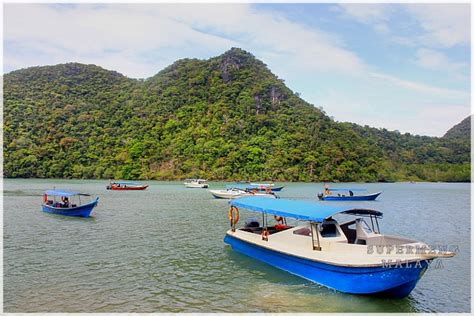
[196, 183]
[126, 186]
[256, 186]
[346, 195]
[234, 193]
[62, 202]
[351, 257]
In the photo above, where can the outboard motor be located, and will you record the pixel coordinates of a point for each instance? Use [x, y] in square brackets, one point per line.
[320, 196]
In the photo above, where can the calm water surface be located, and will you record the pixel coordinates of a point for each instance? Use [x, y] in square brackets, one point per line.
[162, 250]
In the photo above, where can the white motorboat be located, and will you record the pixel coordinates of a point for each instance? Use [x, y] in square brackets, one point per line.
[351, 257]
[196, 183]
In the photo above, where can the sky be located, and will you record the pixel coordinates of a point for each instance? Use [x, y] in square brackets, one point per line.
[403, 67]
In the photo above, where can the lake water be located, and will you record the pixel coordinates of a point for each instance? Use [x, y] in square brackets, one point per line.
[162, 250]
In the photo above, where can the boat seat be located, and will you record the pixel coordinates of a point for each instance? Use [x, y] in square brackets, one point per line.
[281, 227]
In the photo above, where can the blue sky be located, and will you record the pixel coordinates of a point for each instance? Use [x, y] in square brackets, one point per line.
[404, 67]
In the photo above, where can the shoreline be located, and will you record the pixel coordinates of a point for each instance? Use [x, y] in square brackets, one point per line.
[236, 181]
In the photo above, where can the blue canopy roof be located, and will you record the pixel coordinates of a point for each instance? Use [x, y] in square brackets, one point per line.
[63, 193]
[344, 189]
[303, 210]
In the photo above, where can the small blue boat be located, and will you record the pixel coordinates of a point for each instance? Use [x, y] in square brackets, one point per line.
[63, 202]
[351, 257]
[346, 195]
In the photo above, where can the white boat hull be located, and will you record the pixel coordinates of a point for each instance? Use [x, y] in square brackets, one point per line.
[196, 185]
[234, 194]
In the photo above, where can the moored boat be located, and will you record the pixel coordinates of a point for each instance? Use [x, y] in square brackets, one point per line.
[126, 186]
[346, 194]
[234, 193]
[351, 257]
[62, 202]
[263, 187]
[196, 183]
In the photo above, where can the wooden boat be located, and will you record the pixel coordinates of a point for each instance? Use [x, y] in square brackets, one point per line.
[196, 183]
[340, 194]
[234, 193]
[351, 257]
[61, 202]
[126, 186]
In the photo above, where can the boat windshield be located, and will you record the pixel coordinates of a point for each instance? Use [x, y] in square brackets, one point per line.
[365, 226]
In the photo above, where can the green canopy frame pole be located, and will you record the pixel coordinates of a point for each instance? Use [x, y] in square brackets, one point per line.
[314, 231]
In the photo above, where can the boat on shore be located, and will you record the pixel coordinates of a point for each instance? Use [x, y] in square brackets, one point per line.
[126, 186]
[351, 257]
[67, 203]
[234, 193]
[346, 194]
[196, 183]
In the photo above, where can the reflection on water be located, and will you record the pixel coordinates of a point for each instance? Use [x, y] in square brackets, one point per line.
[162, 250]
[278, 288]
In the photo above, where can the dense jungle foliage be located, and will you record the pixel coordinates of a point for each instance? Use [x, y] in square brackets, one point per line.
[225, 118]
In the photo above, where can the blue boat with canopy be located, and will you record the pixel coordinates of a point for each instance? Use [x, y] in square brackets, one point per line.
[351, 257]
[68, 203]
[346, 194]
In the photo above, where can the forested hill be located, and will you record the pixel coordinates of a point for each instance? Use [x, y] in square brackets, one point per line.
[461, 130]
[227, 117]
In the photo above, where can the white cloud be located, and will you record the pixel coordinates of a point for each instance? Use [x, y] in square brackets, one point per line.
[445, 25]
[435, 60]
[86, 32]
[435, 25]
[416, 116]
[366, 13]
[421, 87]
[378, 15]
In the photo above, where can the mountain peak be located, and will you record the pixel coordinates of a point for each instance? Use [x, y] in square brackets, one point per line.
[237, 58]
[237, 52]
[460, 130]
